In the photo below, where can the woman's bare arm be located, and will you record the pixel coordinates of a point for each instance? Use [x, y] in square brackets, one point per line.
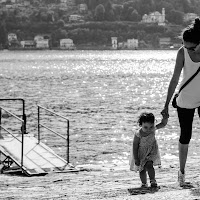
[175, 78]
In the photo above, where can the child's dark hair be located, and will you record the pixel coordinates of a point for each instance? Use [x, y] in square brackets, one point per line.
[146, 117]
[192, 32]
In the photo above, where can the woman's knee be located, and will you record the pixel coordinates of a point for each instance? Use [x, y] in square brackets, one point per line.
[184, 141]
[185, 138]
[186, 120]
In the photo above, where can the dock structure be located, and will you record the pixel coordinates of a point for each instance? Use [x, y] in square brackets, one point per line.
[25, 153]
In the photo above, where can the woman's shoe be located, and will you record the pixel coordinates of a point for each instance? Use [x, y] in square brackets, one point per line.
[181, 178]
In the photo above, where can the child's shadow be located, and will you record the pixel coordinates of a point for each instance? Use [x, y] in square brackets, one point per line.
[141, 190]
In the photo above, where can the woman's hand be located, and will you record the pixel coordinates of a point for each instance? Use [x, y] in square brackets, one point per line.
[165, 113]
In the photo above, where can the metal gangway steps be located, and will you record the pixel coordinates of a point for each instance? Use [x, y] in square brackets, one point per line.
[25, 153]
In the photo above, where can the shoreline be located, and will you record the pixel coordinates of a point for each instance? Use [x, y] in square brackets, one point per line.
[83, 47]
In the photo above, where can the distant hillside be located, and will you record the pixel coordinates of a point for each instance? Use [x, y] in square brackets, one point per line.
[103, 19]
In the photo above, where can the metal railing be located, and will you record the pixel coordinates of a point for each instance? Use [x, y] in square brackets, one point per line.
[22, 130]
[44, 126]
[23, 109]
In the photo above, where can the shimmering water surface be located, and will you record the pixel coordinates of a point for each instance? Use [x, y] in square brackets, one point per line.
[101, 92]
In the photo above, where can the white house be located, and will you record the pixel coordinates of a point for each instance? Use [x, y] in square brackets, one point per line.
[83, 7]
[68, 2]
[155, 17]
[42, 44]
[67, 44]
[75, 18]
[28, 43]
[132, 43]
[27, 3]
[5, 1]
[165, 42]
[189, 17]
[114, 42]
[11, 37]
[38, 38]
[10, 1]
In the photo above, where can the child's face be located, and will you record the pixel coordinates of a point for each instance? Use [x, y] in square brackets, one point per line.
[148, 127]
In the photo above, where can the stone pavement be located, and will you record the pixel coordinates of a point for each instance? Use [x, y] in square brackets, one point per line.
[97, 182]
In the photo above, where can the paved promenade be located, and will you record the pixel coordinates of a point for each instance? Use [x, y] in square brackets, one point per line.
[99, 182]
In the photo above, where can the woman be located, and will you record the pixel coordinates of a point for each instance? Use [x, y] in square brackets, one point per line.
[188, 60]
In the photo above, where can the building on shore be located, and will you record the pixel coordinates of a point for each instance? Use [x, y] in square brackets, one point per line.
[132, 43]
[165, 42]
[155, 17]
[114, 42]
[76, 18]
[189, 17]
[28, 44]
[42, 44]
[129, 44]
[42, 41]
[67, 44]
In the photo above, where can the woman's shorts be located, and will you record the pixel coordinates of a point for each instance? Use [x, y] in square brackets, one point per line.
[185, 117]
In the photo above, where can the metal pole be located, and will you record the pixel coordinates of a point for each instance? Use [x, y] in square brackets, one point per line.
[38, 124]
[68, 141]
[0, 121]
[22, 152]
[23, 109]
[24, 115]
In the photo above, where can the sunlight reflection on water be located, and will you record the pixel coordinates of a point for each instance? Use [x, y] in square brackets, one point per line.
[101, 92]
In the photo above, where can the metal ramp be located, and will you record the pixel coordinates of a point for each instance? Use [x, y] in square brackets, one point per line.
[26, 153]
[37, 159]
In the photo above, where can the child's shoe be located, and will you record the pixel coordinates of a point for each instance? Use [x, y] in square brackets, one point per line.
[136, 168]
[144, 185]
[153, 183]
[181, 178]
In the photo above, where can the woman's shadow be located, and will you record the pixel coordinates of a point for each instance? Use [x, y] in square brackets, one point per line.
[162, 188]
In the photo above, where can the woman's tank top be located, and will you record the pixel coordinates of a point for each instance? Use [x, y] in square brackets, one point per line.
[189, 97]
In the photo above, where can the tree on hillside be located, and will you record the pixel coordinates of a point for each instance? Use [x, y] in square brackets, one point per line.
[163, 4]
[3, 35]
[92, 4]
[100, 12]
[109, 13]
[117, 9]
[125, 11]
[146, 6]
[57, 35]
[60, 23]
[176, 17]
[135, 17]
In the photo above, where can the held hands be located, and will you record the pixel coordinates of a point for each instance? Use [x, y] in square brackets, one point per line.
[165, 113]
[165, 116]
[164, 121]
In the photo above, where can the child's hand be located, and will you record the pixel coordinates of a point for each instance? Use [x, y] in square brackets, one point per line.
[164, 121]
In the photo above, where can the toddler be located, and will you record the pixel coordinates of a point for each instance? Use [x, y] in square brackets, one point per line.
[145, 153]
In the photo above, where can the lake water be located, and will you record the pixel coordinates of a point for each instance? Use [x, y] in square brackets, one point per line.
[100, 92]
